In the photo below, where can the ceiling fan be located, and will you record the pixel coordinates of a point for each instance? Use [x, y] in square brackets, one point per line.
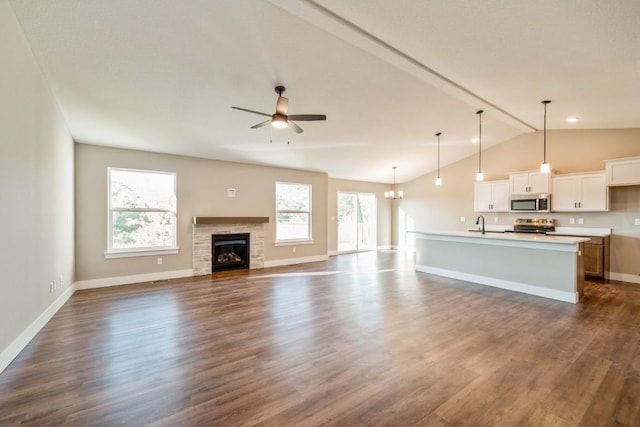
[280, 119]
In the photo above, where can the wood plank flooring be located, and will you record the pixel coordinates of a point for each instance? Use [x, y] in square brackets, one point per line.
[359, 340]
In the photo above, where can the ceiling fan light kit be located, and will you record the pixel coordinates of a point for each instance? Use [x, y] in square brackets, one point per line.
[281, 119]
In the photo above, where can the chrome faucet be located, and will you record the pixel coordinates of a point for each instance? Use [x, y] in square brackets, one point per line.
[478, 222]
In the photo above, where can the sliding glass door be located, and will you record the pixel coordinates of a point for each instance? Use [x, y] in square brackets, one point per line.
[356, 222]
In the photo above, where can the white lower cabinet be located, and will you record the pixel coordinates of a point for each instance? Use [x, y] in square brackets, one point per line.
[580, 192]
[491, 196]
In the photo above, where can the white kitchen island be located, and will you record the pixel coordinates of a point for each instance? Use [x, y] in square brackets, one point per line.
[546, 266]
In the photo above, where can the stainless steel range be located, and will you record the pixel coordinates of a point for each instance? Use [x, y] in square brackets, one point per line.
[533, 225]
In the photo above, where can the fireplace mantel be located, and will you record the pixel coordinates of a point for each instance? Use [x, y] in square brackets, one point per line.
[230, 220]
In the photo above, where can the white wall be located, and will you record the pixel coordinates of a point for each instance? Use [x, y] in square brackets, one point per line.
[201, 191]
[36, 171]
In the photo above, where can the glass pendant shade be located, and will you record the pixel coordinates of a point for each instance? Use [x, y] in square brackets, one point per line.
[545, 167]
[480, 176]
[438, 180]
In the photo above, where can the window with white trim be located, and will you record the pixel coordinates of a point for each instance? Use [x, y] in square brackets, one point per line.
[142, 210]
[293, 212]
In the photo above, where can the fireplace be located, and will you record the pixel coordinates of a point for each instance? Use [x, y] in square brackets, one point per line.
[229, 251]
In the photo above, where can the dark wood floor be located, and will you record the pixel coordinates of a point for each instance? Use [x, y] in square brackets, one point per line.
[358, 340]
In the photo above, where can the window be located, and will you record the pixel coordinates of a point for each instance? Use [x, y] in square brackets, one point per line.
[142, 211]
[293, 212]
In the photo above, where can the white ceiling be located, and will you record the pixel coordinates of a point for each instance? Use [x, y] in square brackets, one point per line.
[162, 75]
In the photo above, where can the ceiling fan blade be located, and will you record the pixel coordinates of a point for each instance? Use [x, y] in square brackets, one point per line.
[295, 127]
[251, 111]
[259, 125]
[307, 117]
[282, 106]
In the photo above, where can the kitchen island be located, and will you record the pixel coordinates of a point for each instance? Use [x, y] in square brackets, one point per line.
[546, 266]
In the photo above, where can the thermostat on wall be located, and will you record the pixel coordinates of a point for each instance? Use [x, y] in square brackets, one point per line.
[231, 192]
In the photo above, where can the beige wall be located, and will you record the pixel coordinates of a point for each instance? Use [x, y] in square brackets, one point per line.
[201, 191]
[36, 171]
[428, 207]
[384, 220]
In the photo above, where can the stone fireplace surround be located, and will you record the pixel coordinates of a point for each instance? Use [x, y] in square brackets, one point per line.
[204, 227]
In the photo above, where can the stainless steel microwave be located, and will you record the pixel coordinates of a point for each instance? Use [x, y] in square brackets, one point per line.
[530, 203]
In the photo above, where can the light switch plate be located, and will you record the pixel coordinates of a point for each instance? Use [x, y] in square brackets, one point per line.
[637, 221]
[572, 220]
[580, 220]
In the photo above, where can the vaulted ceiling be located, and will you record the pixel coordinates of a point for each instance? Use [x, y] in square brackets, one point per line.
[162, 75]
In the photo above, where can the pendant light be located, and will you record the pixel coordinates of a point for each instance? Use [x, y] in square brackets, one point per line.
[393, 194]
[545, 167]
[479, 175]
[438, 179]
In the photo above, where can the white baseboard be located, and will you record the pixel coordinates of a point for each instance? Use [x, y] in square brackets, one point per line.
[384, 247]
[332, 253]
[571, 297]
[9, 353]
[136, 278]
[291, 261]
[625, 277]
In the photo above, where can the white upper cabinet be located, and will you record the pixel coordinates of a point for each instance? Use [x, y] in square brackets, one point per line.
[491, 196]
[580, 192]
[529, 182]
[623, 171]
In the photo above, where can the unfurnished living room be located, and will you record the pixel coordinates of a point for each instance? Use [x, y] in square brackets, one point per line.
[316, 212]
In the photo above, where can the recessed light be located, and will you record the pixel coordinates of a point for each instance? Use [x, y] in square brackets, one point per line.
[573, 119]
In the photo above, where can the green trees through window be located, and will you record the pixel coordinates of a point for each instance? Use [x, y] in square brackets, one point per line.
[293, 212]
[142, 210]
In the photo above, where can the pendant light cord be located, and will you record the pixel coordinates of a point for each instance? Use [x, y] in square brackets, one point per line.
[438, 135]
[479, 113]
[544, 134]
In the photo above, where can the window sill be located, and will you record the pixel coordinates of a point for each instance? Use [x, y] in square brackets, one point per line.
[293, 242]
[139, 253]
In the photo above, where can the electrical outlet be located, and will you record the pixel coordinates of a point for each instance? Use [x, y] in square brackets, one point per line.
[462, 219]
[159, 260]
[495, 219]
[294, 249]
[580, 220]
[637, 221]
[572, 220]
[60, 281]
[51, 286]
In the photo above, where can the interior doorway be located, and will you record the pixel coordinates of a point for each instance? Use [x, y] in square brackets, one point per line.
[357, 222]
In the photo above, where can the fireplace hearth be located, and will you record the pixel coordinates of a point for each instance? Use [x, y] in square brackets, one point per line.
[230, 251]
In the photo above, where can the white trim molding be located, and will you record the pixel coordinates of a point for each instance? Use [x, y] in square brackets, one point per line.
[625, 277]
[571, 297]
[128, 280]
[292, 261]
[21, 341]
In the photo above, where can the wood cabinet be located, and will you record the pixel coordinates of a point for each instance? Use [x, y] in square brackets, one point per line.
[529, 182]
[491, 196]
[596, 258]
[586, 192]
[623, 171]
